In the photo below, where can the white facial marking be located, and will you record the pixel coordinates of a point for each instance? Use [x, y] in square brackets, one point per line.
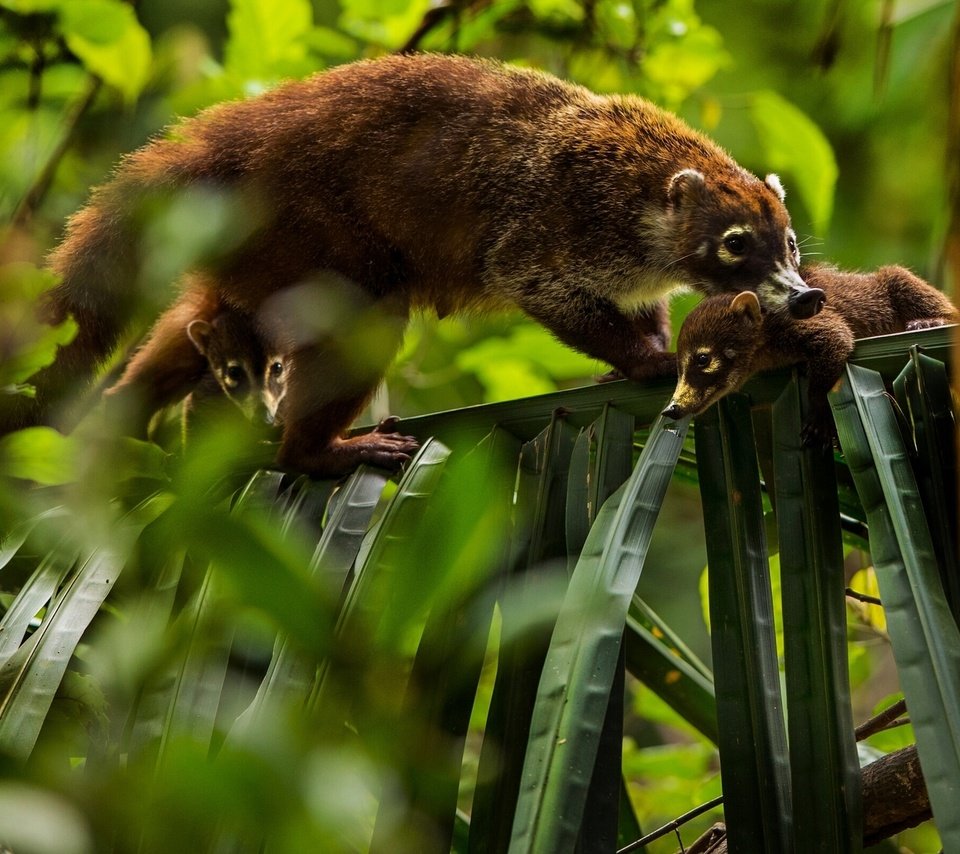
[775, 290]
[725, 254]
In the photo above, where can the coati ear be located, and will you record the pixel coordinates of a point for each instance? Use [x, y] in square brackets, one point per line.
[685, 187]
[199, 331]
[773, 182]
[748, 303]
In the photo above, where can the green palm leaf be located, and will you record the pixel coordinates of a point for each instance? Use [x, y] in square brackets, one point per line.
[538, 539]
[582, 661]
[30, 678]
[753, 753]
[925, 638]
[823, 753]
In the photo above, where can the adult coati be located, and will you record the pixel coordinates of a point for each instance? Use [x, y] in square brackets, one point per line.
[243, 371]
[421, 182]
[726, 339]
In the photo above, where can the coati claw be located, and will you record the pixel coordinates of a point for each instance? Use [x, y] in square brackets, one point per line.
[818, 433]
[925, 323]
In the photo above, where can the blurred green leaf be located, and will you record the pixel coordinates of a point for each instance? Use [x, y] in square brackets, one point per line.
[40, 454]
[110, 41]
[557, 10]
[29, 7]
[679, 67]
[794, 144]
[267, 39]
[26, 345]
[386, 24]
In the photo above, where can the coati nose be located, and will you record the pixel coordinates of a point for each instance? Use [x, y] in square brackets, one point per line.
[805, 303]
[672, 411]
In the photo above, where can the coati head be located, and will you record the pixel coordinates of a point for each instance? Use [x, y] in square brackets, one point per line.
[249, 374]
[733, 234]
[715, 349]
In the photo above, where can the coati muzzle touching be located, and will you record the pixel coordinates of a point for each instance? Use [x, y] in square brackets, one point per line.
[420, 182]
[727, 338]
[241, 367]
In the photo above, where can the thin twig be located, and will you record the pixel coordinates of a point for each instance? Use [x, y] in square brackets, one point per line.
[432, 18]
[887, 719]
[41, 185]
[862, 597]
[671, 826]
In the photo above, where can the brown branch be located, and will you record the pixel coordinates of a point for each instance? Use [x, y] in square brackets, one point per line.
[34, 197]
[894, 799]
[434, 16]
[886, 719]
[862, 597]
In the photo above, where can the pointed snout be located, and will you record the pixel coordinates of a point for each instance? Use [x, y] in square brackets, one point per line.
[786, 288]
[805, 302]
[673, 410]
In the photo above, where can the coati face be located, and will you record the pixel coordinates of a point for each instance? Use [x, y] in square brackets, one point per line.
[249, 375]
[715, 348]
[735, 235]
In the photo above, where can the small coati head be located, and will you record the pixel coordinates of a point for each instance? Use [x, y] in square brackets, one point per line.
[249, 374]
[715, 349]
[734, 234]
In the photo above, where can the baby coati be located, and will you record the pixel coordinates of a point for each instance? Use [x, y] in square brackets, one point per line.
[727, 338]
[242, 370]
[419, 182]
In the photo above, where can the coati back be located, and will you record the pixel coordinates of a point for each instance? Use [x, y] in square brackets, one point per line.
[726, 339]
[242, 370]
[420, 182]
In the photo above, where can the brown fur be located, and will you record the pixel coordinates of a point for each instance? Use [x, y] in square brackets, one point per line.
[421, 182]
[243, 371]
[726, 339]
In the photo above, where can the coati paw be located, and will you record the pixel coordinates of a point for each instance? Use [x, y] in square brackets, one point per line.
[610, 376]
[925, 323]
[383, 446]
[654, 365]
[818, 433]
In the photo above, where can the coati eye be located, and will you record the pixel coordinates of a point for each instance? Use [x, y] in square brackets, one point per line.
[701, 360]
[276, 369]
[735, 244]
[793, 248]
[234, 374]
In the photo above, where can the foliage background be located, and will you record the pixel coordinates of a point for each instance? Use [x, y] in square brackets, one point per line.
[848, 101]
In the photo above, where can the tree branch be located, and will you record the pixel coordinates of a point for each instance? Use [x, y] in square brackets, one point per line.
[894, 799]
[34, 197]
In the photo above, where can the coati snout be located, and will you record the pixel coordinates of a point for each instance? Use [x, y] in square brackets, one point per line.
[726, 339]
[805, 302]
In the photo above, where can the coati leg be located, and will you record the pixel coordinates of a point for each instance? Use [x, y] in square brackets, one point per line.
[330, 377]
[824, 342]
[632, 344]
[319, 406]
[651, 323]
[918, 303]
[167, 366]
